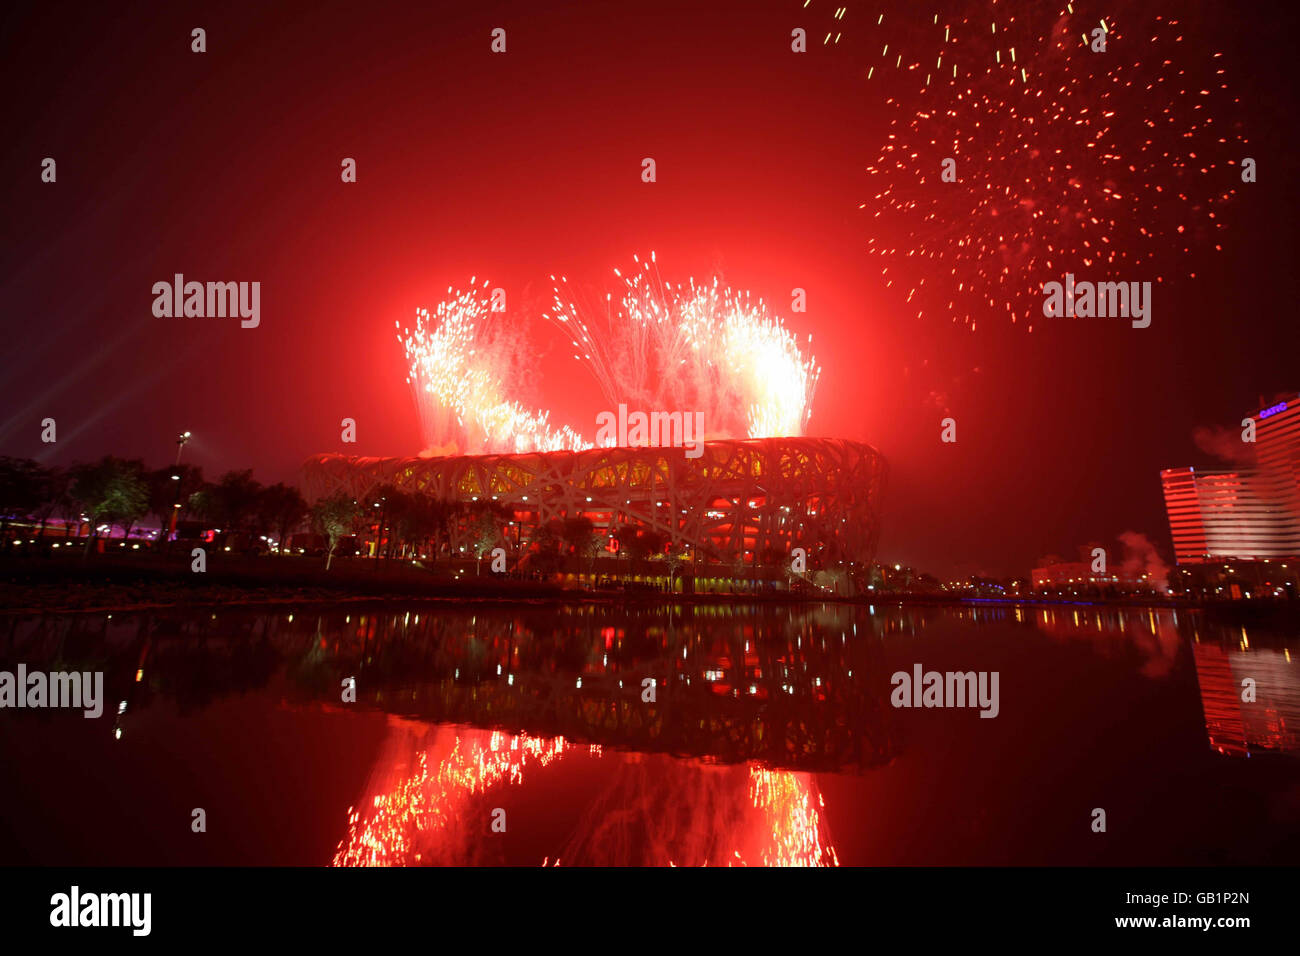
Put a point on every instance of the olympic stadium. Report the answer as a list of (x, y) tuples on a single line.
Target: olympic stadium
[(742, 506)]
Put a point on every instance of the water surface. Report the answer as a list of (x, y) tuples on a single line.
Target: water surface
[(771, 738)]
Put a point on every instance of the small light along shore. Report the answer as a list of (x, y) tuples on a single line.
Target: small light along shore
[(136, 582)]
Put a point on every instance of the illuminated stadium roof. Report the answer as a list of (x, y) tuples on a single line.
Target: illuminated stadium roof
[(741, 500)]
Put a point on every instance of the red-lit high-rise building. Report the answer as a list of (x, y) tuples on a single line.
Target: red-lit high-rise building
[(1243, 514)]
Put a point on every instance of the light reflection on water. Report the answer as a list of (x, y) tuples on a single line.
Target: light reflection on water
[(430, 781), (762, 719)]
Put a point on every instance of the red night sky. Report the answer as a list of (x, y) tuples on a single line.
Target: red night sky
[(225, 166)]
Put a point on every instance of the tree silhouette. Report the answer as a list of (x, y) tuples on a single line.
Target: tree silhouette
[(111, 490), (485, 533), (234, 499), (333, 517), (280, 509), (580, 534), (23, 489)]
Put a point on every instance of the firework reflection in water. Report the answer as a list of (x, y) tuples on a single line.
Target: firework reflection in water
[(649, 809)]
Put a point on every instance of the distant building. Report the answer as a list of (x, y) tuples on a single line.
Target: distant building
[(1277, 441), (1219, 514), (1243, 514), (1065, 574)]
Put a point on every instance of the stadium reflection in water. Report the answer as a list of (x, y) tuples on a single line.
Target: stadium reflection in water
[(668, 735)]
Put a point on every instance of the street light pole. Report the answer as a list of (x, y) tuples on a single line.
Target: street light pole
[(379, 530), (181, 439)]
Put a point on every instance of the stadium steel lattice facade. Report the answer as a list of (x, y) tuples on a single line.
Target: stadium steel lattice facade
[(740, 502)]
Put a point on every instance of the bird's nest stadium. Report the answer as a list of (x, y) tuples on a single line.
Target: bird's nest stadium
[(740, 505)]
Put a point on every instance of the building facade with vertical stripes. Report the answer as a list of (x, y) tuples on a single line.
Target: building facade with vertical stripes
[(1244, 514), (1278, 442)]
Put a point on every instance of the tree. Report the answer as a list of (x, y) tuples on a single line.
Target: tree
[(168, 487), (20, 493), (418, 521), (333, 517), (580, 536), (577, 532), (626, 536), (112, 490), (52, 487), (68, 507), (385, 504), (484, 536), (162, 491), (674, 562), (442, 513), (544, 548), (234, 500), (643, 544), (737, 571), (280, 509)]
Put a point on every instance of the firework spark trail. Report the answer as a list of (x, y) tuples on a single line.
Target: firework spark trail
[(701, 347), (1067, 159), (460, 361), (835, 31)]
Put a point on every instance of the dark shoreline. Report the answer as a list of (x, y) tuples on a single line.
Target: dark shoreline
[(107, 583)]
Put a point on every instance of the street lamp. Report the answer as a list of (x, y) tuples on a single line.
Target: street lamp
[(181, 439), (379, 529)]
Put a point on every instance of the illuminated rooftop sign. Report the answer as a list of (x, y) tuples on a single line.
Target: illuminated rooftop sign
[(1273, 410)]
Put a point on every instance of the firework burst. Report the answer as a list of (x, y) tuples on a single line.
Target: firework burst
[(696, 346), (1066, 158), (462, 362)]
